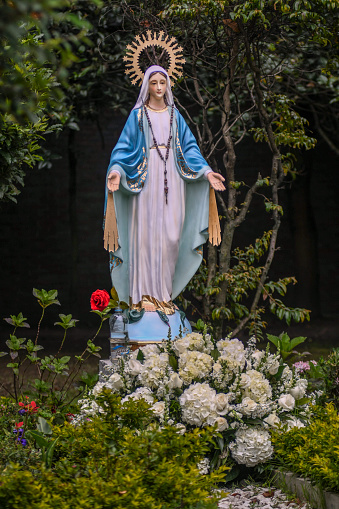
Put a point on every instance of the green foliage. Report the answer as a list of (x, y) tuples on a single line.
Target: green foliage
[(106, 463), (59, 381), (115, 302), (46, 298), (31, 37), (20, 148), (242, 279), (313, 451), (285, 345), (34, 60), (11, 450), (328, 370), (288, 126)]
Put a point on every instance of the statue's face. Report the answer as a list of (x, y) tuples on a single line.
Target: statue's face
[(157, 86)]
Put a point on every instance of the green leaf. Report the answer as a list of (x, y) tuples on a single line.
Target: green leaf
[(17, 321), (43, 426), (173, 362), (233, 474), (215, 354), (31, 347), (66, 321), (279, 373), (274, 339), (114, 294), (46, 298), (50, 451), (140, 356), (297, 341), (38, 438)]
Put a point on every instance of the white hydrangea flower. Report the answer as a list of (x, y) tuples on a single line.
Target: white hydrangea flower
[(198, 405), (233, 352), (255, 386), (194, 365), (181, 345), (140, 393), (286, 402), (251, 446), (193, 341), (174, 381), (154, 369), (150, 350)]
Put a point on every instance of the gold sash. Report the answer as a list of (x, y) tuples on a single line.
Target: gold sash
[(111, 227), (214, 231)]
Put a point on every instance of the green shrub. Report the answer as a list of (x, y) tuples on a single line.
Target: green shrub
[(121, 459), (312, 451), (330, 368)]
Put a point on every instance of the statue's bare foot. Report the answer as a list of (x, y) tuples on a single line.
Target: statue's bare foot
[(148, 306)]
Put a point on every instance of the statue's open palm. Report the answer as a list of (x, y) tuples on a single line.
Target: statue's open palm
[(113, 182), (216, 181)]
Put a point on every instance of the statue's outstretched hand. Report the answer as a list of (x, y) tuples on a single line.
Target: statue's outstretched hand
[(113, 182), (216, 181)]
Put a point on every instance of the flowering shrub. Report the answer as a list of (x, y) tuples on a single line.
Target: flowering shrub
[(193, 382), (123, 460)]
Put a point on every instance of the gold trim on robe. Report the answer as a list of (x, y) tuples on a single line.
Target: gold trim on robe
[(151, 302)]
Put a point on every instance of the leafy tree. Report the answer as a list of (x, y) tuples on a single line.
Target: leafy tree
[(31, 73)]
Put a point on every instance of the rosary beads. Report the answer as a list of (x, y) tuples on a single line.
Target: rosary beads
[(164, 159)]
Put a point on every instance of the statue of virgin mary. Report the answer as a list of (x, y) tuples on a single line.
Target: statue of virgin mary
[(157, 208)]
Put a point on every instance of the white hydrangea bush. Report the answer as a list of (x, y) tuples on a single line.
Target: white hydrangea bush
[(194, 382)]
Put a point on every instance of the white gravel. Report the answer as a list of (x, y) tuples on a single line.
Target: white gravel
[(252, 497)]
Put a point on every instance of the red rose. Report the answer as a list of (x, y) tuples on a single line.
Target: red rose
[(99, 300)]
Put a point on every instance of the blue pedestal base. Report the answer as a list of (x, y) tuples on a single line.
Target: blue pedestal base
[(152, 329)]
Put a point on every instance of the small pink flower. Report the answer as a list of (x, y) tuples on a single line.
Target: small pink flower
[(302, 366)]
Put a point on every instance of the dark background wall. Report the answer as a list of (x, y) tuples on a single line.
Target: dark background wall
[(53, 237)]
